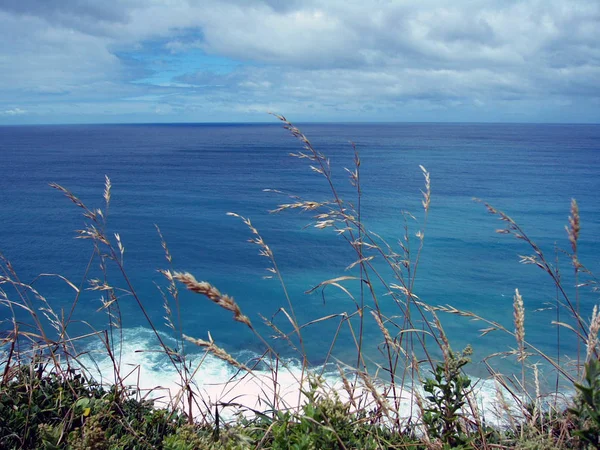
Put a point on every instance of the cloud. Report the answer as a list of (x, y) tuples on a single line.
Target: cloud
[(195, 60), (13, 112)]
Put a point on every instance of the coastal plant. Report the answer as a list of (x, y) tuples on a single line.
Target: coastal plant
[(325, 421), (345, 219), (586, 408), (54, 412), (185, 438), (566, 300), (35, 406), (446, 396)]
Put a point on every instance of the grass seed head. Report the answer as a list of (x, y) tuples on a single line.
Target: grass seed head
[(213, 294), (519, 316), (592, 338)]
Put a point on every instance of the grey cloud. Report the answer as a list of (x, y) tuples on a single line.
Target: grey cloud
[(87, 9)]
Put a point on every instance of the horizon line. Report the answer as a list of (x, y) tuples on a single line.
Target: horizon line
[(295, 122)]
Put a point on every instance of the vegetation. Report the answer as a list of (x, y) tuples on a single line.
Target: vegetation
[(50, 400), (447, 391)]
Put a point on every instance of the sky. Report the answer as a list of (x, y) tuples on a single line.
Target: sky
[(135, 61)]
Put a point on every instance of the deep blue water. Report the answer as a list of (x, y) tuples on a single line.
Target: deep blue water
[(185, 178)]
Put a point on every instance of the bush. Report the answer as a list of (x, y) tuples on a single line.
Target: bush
[(55, 411)]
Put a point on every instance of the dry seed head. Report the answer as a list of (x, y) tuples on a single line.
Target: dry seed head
[(356, 155), (217, 351), (120, 245), (573, 232), (107, 303), (163, 243), (107, 188), (97, 285), (167, 274), (169, 313), (46, 308), (485, 331), (317, 170), (427, 192), (519, 316), (313, 155), (213, 294), (324, 224), (402, 289), (360, 261), (258, 240), (379, 399), (353, 176), (349, 390), (91, 232), (69, 195), (445, 344), (574, 225), (592, 339), (304, 205), (92, 215), (106, 306), (384, 330), (447, 309), (502, 407)]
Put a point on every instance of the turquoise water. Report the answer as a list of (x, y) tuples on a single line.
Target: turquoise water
[(185, 178)]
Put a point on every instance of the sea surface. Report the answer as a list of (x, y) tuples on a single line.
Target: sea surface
[(186, 178)]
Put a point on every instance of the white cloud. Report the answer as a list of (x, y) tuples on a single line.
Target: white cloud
[(13, 112), (306, 56)]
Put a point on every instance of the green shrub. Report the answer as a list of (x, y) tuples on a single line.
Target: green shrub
[(56, 411), (587, 405), (447, 391)]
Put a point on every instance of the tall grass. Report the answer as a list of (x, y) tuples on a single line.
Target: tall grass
[(418, 390)]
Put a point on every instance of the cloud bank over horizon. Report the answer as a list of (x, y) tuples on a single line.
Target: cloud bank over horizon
[(234, 60)]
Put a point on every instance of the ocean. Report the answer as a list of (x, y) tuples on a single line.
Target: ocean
[(185, 178)]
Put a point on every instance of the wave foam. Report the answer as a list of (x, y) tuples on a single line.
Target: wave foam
[(145, 367)]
